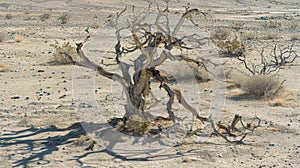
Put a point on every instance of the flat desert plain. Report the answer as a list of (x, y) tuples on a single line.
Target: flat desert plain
[(40, 125)]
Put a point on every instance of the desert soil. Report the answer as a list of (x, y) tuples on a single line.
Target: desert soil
[(40, 125)]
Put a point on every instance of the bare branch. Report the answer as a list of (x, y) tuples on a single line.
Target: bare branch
[(180, 22), (170, 102)]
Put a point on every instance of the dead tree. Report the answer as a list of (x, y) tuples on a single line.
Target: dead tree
[(282, 56), (278, 57), (146, 39), (137, 87), (262, 68)]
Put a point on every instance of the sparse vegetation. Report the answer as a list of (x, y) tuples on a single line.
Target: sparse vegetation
[(269, 35), (263, 86), (62, 54), (260, 83), (8, 16), (250, 35), (48, 112), (229, 44), (294, 25), (237, 26), (145, 40), (44, 17), (232, 47), (272, 24), (64, 18), (220, 34), (283, 55), (135, 125)]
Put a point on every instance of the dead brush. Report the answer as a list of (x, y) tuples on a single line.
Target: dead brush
[(272, 24), (135, 125), (220, 34), (231, 47), (44, 17), (237, 26), (250, 35), (263, 87), (229, 44), (145, 39), (64, 18), (63, 53)]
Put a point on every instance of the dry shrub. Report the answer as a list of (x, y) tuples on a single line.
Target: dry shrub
[(8, 16), (199, 72), (250, 35), (237, 26), (220, 34), (229, 43), (18, 38), (269, 36), (64, 18), (294, 25), (63, 53), (135, 125), (4, 67), (236, 78), (286, 99), (273, 24), (44, 16), (263, 86), (277, 102), (82, 140)]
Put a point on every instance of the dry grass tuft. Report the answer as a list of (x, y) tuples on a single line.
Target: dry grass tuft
[(231, 46), (137, 125), (294, 25), (64, 18), (263, 86), (62, 54), (44, 17), (4, 67), (8, 16), (272, 24), (277, 102), (18, 38), (200, 73), (220, 34), (269, 35), (235, 93), (134, 125), (236, 79), (82, 140), (250, 35), (286, 99)]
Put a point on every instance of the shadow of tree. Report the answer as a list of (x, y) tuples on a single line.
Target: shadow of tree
[(28, 139)]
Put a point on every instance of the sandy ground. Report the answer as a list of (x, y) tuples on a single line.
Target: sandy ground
[(40, 125)]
